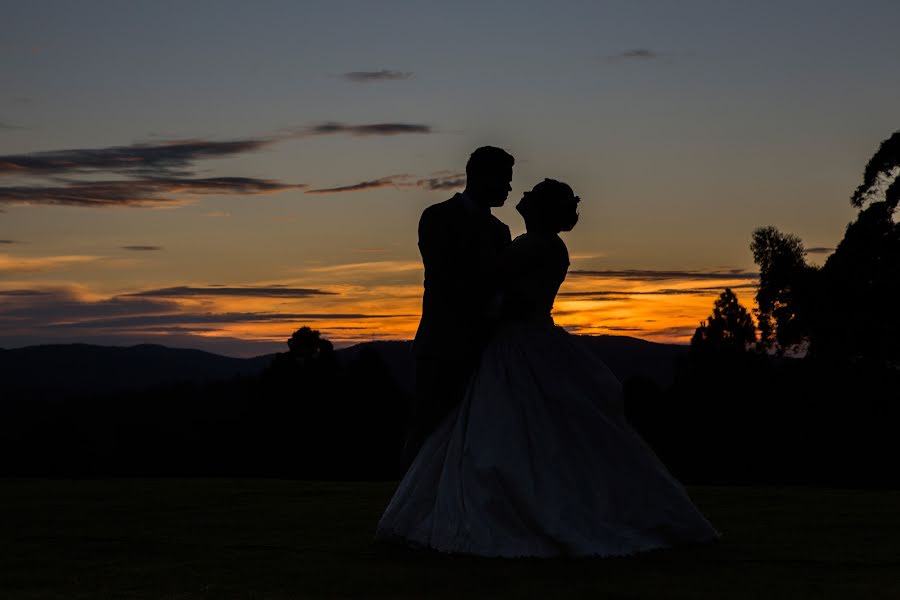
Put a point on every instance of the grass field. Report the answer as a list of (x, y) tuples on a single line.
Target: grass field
[(221, 538)]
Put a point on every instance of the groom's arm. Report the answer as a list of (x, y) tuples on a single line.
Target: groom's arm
[(437, 249), (494, 272)]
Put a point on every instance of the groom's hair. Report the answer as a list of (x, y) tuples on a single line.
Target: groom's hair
[(488, 161)]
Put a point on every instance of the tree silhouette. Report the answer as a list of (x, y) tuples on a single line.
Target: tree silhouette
[(880, 177), (860, 288), (729, 329), (308, 345), (847, 310), (308, 352), (785, 288)]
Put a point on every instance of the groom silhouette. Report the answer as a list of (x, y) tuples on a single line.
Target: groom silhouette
[(461, 243)]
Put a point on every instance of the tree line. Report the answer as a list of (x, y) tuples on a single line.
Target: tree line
[(843, 311), (809, 390)]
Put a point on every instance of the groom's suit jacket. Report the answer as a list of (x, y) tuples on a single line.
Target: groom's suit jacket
[(461, 244)]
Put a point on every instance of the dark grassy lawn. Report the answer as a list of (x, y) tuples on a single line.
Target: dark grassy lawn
[(219, 538)]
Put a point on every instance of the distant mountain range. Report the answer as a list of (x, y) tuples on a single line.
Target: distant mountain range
[(74, 369), (83, 368)]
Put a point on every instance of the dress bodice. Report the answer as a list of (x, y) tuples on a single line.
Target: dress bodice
[(534, 267)]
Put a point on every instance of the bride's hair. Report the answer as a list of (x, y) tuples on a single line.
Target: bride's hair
[(550, 206)]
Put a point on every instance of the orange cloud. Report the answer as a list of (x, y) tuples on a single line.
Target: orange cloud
[(351, 302), (19, 264), (660, 306)]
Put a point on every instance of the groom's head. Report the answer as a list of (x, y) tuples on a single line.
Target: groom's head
[(488, 175)]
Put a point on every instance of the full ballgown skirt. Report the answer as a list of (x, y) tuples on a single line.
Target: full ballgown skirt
[(538, 460)]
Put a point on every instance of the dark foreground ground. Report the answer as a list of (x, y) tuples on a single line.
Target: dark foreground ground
[(219, 538)]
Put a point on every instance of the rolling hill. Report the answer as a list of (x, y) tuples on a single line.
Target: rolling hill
[(73, 369)]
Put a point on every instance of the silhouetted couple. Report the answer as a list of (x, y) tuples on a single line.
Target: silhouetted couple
[(519, 444)]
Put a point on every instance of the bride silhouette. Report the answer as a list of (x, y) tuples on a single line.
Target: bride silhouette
[(538, 458)]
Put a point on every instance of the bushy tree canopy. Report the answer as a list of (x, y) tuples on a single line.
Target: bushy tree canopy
[(308, 344), (880, 177), (784, 290), (729, 328)]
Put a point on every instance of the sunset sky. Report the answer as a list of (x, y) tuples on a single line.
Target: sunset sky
[(217, 174)]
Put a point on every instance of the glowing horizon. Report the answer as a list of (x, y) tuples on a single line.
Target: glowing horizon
[(348, 303)]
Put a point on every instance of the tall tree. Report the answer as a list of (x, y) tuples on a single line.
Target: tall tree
[(861, 281), (729, 328), (881, 177), (785, 287), (846, 310)]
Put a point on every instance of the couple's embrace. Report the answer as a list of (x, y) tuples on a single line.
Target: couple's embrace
[(519, 444)]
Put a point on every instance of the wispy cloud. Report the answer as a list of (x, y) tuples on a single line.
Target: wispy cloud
[(636, 54), (819, 250), (375, 266), (176, 158), (19, 293), (434, 182), (389, 181), (189, 319), (166, 159), (8, 242), (622, 294), (591, 256), (382, 75), (142, 248), (654, 275), (161, 174), (36, 307), (451, 181), (139, 192), (6, 125), (640, 53), (275, 291), (373, 129), (20, 264)]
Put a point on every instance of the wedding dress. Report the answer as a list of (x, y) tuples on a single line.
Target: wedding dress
[(538, 459)]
